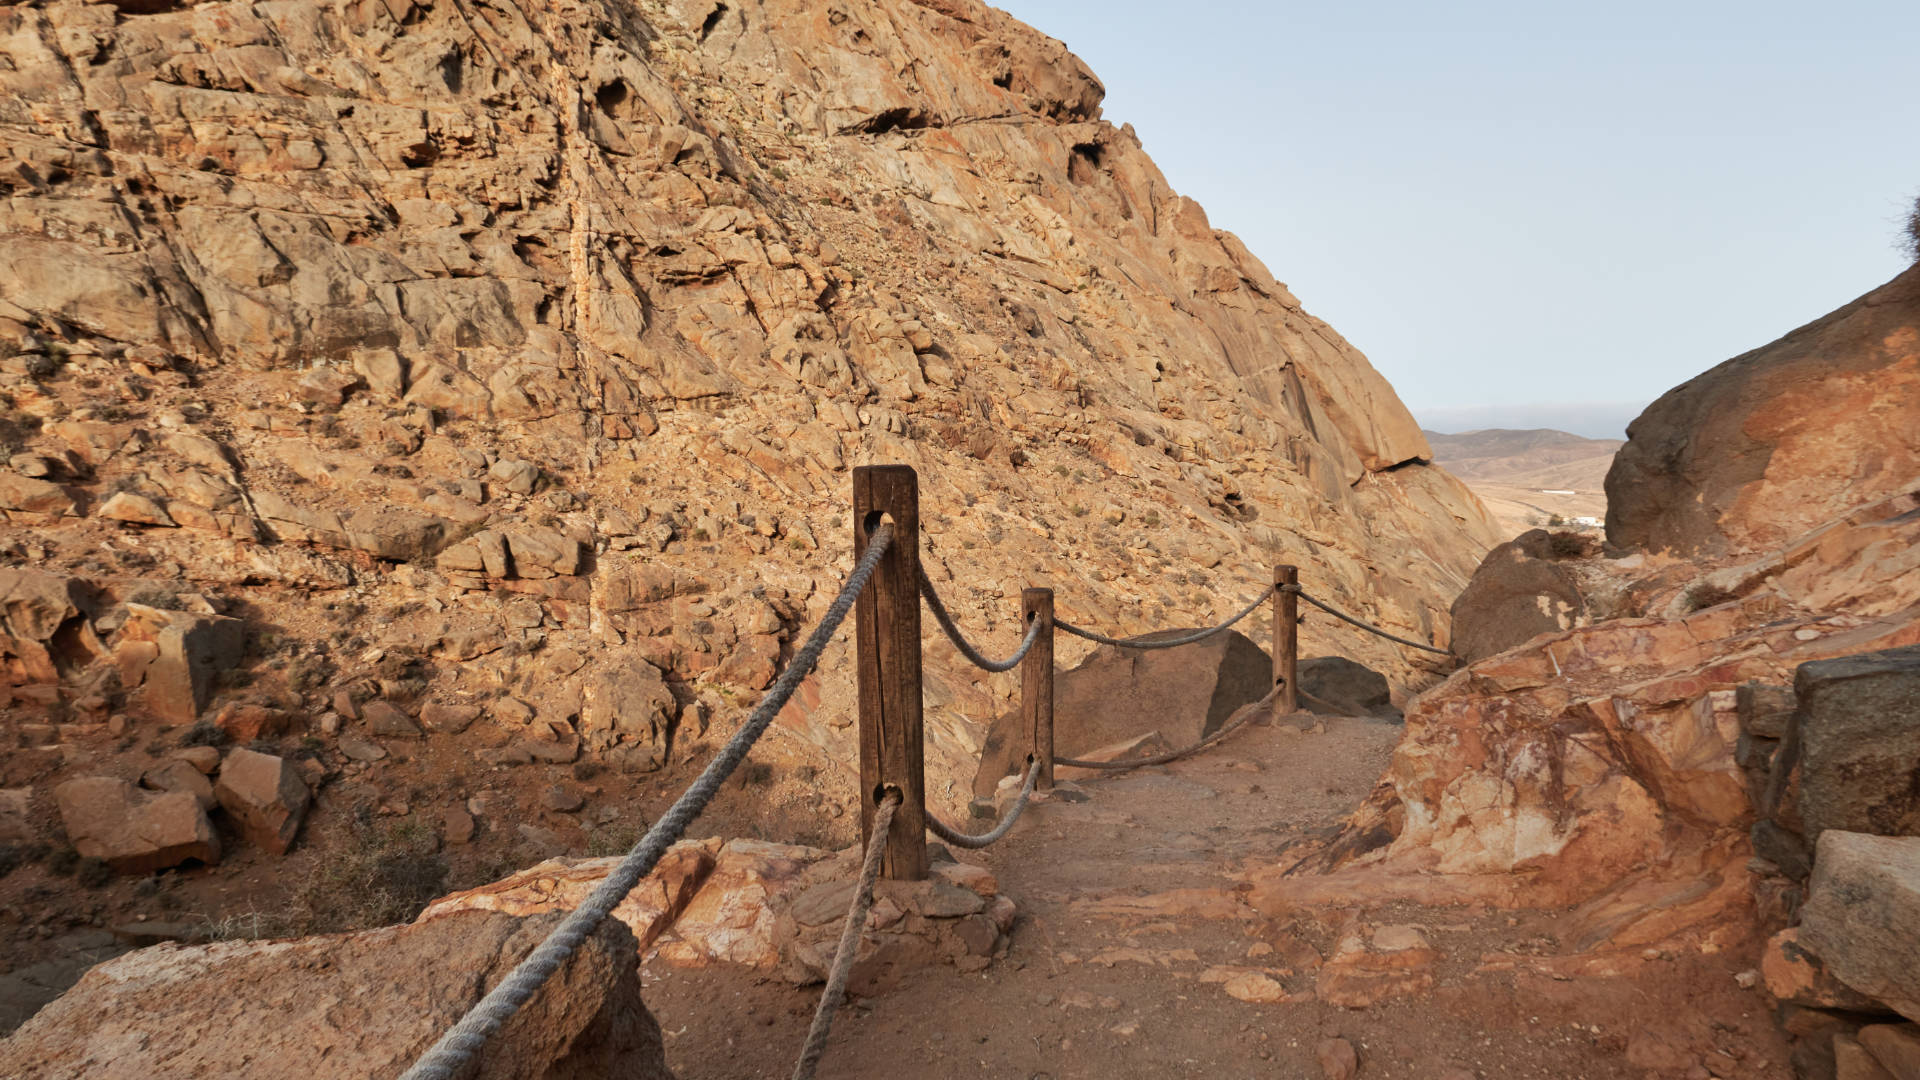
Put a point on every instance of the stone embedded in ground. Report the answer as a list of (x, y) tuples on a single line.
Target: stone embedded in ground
[(1862, 915), (628, 705), (1860, 743), (448, 719), (134, 831), (271, 1010), (1337, 1059), (266, 795), (191, 650), (1118, 694), (1365, 970), (1255, 987), (387, 720), (1518, 593), (1895, 1047)]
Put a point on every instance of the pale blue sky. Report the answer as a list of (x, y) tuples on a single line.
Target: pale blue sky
[(1532, 206)]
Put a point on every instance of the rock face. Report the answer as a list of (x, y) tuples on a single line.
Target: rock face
[(1862, 916), (1622, 766), (1859, 741), (1116, 694), (1518, 593), (537, 330), (136, 832), (275, 1009), (1781, 439)]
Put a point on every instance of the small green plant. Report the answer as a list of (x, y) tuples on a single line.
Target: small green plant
[(1079, 510), (700, 536), (756, 774), (1556, 520), (1060, 471), (63, 862), (1151, 519)]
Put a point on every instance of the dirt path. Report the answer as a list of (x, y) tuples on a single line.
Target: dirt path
[(1114, 973)]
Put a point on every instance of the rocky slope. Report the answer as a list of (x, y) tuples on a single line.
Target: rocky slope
[(385, 371)]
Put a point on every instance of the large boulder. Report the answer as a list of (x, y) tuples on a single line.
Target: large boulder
[(1778, 440), (1518, 593), (1337, 686), (1862, 916), (1115, 694), (345, 1005), (136, 832), (1860, 742)]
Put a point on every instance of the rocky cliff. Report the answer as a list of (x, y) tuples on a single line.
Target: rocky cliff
[(466, 353)]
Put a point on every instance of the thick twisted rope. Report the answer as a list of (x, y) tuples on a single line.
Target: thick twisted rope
[(836, 992), (1368, 627), (1165, 643), (1161, 759), (959, 640), (448, 1057), (967, 840)]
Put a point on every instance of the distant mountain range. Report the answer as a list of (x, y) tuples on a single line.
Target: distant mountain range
[(1526, 477)]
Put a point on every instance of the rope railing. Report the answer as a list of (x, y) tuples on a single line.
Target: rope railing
[(1231, 726), (835, 993), (973, 655), (451, 1054), (1165, 643), (967, 840), (886, 588), (1368, 627)]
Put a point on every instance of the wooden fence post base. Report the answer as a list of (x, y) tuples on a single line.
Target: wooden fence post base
[(1036, 682), (887, 639), (1286, 636)]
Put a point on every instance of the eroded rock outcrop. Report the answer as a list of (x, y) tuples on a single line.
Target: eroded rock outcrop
[(1778, 440), (542, 327), (348, 1005)]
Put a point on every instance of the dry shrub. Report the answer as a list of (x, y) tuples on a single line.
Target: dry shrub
[(375, 874)]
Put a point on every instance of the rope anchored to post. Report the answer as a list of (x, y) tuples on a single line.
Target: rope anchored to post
[(967, 840), (1165, 643), (449, 1056), (1368, 627), (973, 655), (836, 992)]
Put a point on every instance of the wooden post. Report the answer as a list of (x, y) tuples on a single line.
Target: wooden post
[(1286, 637), (887, 637), (1036, 682)]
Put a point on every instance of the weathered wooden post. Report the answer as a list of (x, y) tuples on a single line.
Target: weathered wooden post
[(887, 638), (1036, 682), (1286, 636)]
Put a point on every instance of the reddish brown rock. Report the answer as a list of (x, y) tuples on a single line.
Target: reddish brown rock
[(266, 795), (189, 651), (1778, 440), (136, 833), (271, 1009)]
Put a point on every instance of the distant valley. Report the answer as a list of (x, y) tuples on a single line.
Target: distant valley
[(1526, 478)]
